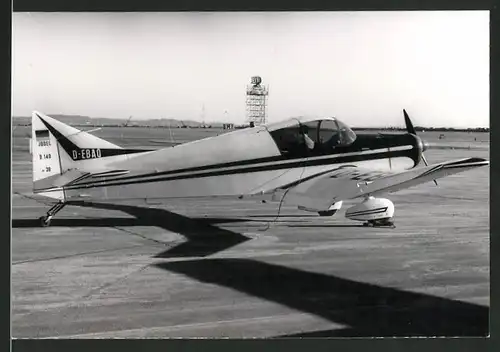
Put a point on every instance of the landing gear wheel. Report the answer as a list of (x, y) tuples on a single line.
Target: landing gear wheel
[(380, 223), (327, 212), (45, 220)]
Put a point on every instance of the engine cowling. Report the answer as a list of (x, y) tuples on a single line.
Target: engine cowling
[(371, 209)]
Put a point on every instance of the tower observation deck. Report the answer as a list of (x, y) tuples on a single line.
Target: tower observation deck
[(256, 101)]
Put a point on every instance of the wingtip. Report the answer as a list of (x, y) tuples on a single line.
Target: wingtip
[(476, 162), (481, 161)]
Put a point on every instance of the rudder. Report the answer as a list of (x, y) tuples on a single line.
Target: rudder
[(45, 157), (61, 154)]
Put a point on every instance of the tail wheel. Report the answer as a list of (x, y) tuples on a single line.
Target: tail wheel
[(45, 221)]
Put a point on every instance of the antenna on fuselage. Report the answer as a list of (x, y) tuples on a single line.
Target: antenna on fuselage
[(125, 125), (88, 131), (171, 135)]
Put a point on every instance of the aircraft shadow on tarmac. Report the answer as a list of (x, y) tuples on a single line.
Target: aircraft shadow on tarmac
[(114, 222), (368, 310), (326, 225), (203, 238)]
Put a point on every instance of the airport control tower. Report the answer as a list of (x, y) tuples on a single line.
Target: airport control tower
[(257, 102)]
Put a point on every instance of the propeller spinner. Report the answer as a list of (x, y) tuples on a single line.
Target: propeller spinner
[(410, 129)]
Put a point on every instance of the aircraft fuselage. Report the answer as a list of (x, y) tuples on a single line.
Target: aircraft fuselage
[(239, 163)]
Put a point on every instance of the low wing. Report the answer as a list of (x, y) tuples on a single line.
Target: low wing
[(351, 182)]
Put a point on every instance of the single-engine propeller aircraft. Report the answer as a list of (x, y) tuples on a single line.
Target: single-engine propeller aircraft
[(312, 163)]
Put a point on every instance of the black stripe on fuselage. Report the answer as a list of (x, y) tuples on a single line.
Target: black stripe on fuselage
[(362, 143), (250, 169), (216, 173), (77, 153)]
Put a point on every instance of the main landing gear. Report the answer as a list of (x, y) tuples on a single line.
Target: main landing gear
[(380, 223), (45, 220)]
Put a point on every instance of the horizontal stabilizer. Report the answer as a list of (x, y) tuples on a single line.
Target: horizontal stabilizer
[(71, 176), (59, 180)]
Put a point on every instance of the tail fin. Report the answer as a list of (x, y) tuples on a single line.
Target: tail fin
[(62, 153)]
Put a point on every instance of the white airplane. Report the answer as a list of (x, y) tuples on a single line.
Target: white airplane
[(311, 163)]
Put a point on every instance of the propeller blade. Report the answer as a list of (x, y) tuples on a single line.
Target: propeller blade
[(410, 129), (427, 164), (409, 124), (425, 160)]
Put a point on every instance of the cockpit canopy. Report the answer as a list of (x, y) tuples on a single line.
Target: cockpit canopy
[(311, 137)]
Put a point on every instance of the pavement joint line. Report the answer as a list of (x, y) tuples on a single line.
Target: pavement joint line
[(112, 282), (143, 237), (192, 325)]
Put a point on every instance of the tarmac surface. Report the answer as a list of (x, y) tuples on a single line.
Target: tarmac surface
[(235, 269)]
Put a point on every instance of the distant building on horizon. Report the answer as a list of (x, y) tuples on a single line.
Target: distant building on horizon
[(256, 102)]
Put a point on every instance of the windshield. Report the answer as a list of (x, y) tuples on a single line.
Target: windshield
[(335, 134), (313, 137)]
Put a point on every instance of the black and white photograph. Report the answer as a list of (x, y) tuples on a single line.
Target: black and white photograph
[(250, 174)]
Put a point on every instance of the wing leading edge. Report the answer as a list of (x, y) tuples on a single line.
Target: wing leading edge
[(351, 182)]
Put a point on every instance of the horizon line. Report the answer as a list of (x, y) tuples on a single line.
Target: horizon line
[(144, 121)]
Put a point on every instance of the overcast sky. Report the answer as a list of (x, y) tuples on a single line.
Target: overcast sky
[(362, 67)]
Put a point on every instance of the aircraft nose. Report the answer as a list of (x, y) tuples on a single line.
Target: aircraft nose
[(425, 145), (422, 145), (419, 143)]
